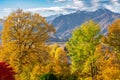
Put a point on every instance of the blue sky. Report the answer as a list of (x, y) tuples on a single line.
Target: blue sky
[(51, 7)]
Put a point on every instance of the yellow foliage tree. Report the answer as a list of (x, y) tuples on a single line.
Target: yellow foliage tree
[(110, 67), (60, 60), (107, 64), (113, 37), (23, 38)]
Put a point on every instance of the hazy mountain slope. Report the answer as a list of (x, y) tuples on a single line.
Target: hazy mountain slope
[(1, 23), (52, 17), (64, 24)]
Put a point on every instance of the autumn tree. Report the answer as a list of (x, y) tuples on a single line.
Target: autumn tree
[(23, 38), (59, 64), (107, 63), (113, 36), (81, 47), (60, 61)]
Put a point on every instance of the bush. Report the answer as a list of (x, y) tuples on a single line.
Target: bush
[(48, 76), (6, 72), (72, 77), (67, 77)]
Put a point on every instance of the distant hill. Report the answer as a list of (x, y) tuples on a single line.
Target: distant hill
[(65, 24), (1, 23), (0, 27)]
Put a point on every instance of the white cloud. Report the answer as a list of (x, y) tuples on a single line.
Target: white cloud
[(83, 4), (45, 10), (56, 9), (78, 3), (115, 2), (60, 0), (89, 5), (113, 6), (7, 10)]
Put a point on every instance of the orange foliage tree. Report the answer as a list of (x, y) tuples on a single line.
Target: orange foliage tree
[(107, 64), (113, 37), (109, 51)]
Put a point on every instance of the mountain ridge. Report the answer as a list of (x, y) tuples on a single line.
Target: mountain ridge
[(65, 24)]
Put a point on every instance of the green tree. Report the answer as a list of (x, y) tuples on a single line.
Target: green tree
[(81, 47), (23, 38)]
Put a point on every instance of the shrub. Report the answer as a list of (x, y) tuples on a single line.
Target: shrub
[(67, 77), (48, 76), (6, 72)]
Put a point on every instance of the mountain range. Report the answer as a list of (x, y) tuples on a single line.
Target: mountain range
[(65, 24), (1, 23)]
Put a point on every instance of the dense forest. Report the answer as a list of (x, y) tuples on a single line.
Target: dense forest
[(87, 55)]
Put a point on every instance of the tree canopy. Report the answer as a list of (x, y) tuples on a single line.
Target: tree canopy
[(23, 38), (81, 47)]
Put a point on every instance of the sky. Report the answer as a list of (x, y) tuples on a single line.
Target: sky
[(52, 7)]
